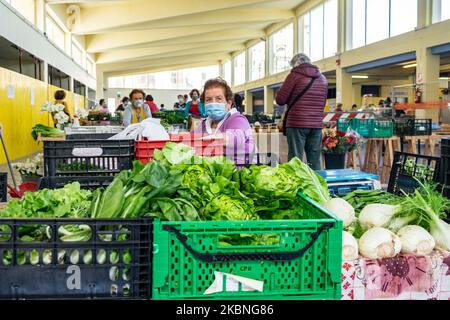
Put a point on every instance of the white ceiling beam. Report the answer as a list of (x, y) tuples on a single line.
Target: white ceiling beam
[(136, 65), (167, 51), (161, 68), (225, 17), (105, 42), (139, 11)]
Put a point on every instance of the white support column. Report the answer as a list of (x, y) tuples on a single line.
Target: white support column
[(248, 102), (268, 58), (296, 31), (268, 99), (45, 63), (100, 84), (71, 84), (425, 12), (344, 33), (428, 70), (344, 88), (221, 70), (247, 65)]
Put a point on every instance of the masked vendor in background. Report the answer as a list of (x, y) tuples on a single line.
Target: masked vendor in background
[(137, 110), (225, 122)]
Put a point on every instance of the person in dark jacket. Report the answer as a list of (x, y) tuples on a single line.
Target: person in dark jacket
[(304, 121)]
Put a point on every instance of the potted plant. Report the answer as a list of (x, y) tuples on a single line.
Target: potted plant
[(32, 169), (335, 145)]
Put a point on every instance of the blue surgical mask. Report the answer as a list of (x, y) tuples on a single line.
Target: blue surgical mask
[(195, 98), (216, 111)]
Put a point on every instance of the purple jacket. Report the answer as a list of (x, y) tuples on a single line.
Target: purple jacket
[(308, 111), (239, 136)]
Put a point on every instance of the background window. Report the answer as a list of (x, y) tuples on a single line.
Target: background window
[(281, 46), (319, 34), (227, 72), (441, 10), (239, 69), (375, 20), (77, 54), (403, 16), (55, 33), (377, 24), (90, 67), (257, 61), (330, 38), (175, 79)]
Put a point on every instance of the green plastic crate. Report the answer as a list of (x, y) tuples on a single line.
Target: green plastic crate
[(342, 124), (186, 270), (383, 129), (364, 127)]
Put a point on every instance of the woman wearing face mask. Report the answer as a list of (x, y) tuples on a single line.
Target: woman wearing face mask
[(195, 107), (225, 122), (179, 105), (137, 110)]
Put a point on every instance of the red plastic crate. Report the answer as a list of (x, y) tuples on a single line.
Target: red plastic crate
[(145, 149)]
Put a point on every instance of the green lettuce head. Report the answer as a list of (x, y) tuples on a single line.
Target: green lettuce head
[(268, 183), (225, 207)]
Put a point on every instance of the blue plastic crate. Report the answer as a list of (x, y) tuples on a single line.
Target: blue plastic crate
[(346, 175), (343, 181), (342, 189)]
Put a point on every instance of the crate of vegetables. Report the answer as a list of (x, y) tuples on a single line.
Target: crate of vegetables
[(92, 162), (291, 259), (408, 167), (53, 246), (145, 149)]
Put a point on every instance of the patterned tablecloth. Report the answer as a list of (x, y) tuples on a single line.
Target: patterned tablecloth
[(406, 277)]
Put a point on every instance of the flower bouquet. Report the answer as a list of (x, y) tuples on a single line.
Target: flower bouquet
[(57, 112), (336, 144), (32, 169)]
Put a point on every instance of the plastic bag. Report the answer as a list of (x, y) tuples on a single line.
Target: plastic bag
[(149, 128)]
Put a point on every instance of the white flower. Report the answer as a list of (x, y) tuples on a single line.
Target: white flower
[(61, 117)]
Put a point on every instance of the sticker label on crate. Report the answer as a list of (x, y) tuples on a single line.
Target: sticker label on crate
[(232, 283), (87, 152)]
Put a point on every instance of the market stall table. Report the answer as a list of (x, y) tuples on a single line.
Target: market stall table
[(406, 277), (375, 161)]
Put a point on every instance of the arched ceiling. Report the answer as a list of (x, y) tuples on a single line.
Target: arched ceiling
[(138, 36)]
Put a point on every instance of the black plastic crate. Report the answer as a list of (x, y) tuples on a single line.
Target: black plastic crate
[(89, 136), (413, 127), (73, 159), (445, 165), (3, 186), (406, 167), (268, 159), (115, 263), (422, 127)]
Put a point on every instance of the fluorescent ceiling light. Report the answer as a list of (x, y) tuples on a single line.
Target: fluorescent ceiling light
[(413, 65), (444, 78), (360, 77)]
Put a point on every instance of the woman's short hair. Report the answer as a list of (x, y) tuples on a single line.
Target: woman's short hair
[(60, 95), (218, 83), (191, 94), (149, 98), (300, 58), (135, 91)]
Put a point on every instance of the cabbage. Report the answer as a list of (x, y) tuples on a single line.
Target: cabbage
[(225, 207)]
